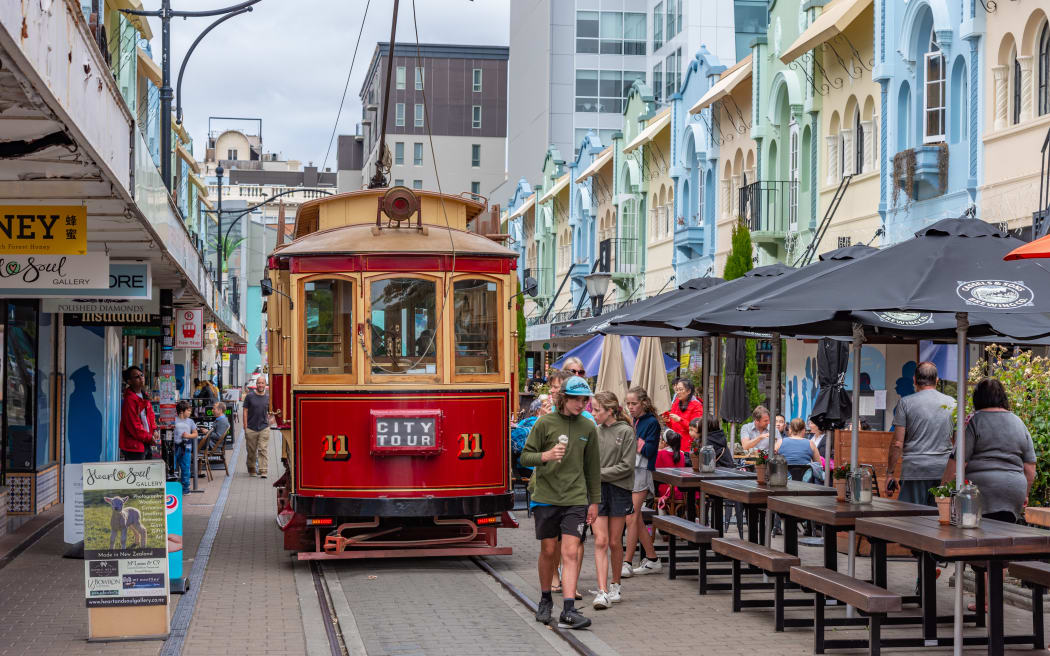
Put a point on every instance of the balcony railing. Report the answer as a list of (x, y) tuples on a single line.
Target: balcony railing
[(770, 206), (619, 255)]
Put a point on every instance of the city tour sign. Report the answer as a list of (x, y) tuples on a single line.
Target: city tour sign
[(43, 229)]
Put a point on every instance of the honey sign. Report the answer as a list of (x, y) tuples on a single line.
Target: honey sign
[(43, 229)]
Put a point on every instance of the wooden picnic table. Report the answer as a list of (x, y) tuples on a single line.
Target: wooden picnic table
[(689, 481), (993, 544), (754, 497), (834, 515)]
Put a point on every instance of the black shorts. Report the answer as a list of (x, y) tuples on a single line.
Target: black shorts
[(555, 521), (616, 501)]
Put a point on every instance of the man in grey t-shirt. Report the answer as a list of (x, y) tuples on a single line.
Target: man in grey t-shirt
[(256, 406), (922, 437)]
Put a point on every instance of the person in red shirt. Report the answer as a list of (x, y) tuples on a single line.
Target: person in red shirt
[(685, 408), (669, 455), (138, 425)]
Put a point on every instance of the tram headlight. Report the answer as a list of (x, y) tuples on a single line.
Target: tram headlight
[(399, 203)]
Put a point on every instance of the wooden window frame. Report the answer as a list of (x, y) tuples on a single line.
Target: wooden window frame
[(355, 365), (439, 340), (501, 343)]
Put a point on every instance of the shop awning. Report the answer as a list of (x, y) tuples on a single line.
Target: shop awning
[(734, 76), (140, 22), (656, 125), (185, 155), (150, 68), (836, 18), (599, 162), (524, 207), (559, 184)]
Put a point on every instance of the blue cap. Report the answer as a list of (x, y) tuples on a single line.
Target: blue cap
[(576, 386)]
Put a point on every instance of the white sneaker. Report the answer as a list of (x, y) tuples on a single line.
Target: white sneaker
[(601, 600), (648, 566), (626, 572), (614, 593)]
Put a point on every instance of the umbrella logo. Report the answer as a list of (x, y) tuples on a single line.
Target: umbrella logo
[(906, 318), (995, 294)]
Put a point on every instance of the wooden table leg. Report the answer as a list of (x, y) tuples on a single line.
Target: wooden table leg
[(995, 607), (753, 513), (717, 514), (878, 561), (690, 504), (790, 534), (831, 547)]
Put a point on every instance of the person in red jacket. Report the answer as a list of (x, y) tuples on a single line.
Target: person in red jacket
[(685, 408), (138, 425)]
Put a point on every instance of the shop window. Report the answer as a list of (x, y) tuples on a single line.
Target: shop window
[(329, 327), (403, 326), (20, 385)]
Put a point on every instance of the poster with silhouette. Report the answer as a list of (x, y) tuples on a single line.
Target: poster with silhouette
[(125, 534)]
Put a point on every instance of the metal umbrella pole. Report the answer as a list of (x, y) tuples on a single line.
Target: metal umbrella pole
[(962, 324), (705, 377), (858, 341), (774, 393)]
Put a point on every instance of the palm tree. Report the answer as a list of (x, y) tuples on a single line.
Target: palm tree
[(229, 247)]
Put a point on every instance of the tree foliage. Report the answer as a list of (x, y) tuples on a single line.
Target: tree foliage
[(737, 264)]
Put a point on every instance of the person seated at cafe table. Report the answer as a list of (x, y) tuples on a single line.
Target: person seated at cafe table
[(797, 449), (755, 435), (1000, 455), (781, 427), (684, 409)]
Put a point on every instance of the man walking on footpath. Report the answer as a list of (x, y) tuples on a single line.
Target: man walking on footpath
[(138, 424), (922, 437), (257, 428), (563, 447)]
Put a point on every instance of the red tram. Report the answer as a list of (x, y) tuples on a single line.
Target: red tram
[(392, 366)]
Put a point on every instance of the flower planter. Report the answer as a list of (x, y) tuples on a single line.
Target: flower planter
[(694, 460), (840, 489), (944, 509), (760, 474)]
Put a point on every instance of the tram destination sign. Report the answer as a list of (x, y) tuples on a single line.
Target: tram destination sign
[(406, 432)]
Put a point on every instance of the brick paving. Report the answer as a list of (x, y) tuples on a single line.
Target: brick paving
[(659, 616)]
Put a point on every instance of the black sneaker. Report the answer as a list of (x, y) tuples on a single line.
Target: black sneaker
[(543, 611), (573, 619)]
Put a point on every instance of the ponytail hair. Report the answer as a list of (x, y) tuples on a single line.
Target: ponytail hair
[(608, 401), (674, 440), (797, 427), (643, 398)]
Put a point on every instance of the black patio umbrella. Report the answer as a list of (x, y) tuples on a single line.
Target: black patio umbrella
[(602, 323), (735, 406), (833, 406)]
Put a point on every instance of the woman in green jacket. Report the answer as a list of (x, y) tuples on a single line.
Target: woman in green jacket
[(616, 443)]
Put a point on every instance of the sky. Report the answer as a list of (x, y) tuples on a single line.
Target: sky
[(286, 61)]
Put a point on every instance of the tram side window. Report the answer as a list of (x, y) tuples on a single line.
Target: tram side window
[(329, 327), (476, 314), (403, 324)]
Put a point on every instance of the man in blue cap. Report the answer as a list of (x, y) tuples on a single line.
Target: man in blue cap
[(563, 447)]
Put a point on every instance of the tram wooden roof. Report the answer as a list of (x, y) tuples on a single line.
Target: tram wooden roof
[(357, 207), (366, 238)]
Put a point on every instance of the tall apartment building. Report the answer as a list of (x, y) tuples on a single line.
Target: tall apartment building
[(455, 95), (573, 63)]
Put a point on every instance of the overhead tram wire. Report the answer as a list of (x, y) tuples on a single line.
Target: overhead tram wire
[(346, 86)]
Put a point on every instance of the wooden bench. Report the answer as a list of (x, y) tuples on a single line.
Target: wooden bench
[(864, 596), (1035, 575), (775, 564), (694, 534)]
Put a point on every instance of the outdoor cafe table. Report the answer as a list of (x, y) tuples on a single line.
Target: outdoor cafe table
[(834, 516), (687, 480), (993, 544), (754, 497)]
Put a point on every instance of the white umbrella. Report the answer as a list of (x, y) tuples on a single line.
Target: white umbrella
[(650, 373)]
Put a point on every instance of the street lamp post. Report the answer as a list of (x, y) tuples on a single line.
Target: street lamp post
[(165, 14), (218, 232), (597, 286)]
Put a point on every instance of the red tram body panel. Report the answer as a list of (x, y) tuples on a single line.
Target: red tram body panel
[(392, 359)]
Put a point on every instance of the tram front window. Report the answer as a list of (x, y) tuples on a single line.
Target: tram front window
[(403, 324), (477, 322), (329, 324)]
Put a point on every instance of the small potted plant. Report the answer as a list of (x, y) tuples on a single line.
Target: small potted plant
[(694, 453), (761, 460), (840, 475), (942, 494)]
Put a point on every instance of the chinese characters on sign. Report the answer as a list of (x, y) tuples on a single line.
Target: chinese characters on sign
[(43, 229)]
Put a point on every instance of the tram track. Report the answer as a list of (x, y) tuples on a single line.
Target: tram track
[(340, 644)]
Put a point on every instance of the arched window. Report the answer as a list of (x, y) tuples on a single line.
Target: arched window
[(1015, 114), (933, 98), (1044, 70), (793, 176), (858, 140)]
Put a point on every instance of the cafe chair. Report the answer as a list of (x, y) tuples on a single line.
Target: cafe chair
[(213, 450)]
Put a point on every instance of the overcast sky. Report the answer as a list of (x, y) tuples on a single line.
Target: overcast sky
[(286, 61)]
